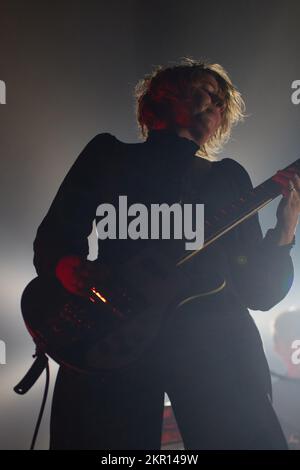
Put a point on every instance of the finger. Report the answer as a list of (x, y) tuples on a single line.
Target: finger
[(285, 188), (293, 192), (283, 182), (280, 178), (296, 181), (287, 173), (287, 194), (290, 169), (283, 177)]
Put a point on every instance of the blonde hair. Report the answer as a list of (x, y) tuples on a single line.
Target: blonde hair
[(155, 93)]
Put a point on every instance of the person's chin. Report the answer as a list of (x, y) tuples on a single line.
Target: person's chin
[(200, 135)]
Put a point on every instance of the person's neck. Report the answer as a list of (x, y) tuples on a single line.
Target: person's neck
[(185, 133)]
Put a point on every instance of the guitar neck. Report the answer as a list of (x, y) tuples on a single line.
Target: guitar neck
[(238, 211)]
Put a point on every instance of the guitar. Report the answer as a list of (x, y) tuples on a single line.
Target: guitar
[(116, 322)]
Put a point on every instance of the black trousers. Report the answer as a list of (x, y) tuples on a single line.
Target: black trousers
[(212, 366)]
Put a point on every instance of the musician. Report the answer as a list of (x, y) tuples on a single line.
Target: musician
[(208, 356)]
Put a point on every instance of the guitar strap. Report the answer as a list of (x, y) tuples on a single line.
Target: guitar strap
[(32, 374)]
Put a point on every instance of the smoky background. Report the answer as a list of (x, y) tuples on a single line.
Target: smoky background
[(70, 68)]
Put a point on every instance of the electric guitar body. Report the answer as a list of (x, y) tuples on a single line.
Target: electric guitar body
[(112, 326)]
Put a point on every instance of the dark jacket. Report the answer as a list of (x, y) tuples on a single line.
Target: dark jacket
[(210, 362), (163, 169)]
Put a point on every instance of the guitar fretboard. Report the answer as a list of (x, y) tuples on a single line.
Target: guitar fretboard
[(235, 213)]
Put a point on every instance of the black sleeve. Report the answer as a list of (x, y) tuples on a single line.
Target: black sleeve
[(261, 270), (68, 223)]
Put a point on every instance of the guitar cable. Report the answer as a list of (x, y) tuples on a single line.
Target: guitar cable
[(40, 364)]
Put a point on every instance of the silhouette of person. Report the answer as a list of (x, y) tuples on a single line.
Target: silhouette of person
[(208, 356)]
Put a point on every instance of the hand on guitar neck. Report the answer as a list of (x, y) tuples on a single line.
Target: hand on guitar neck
[(289, 207), (78, 275)]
